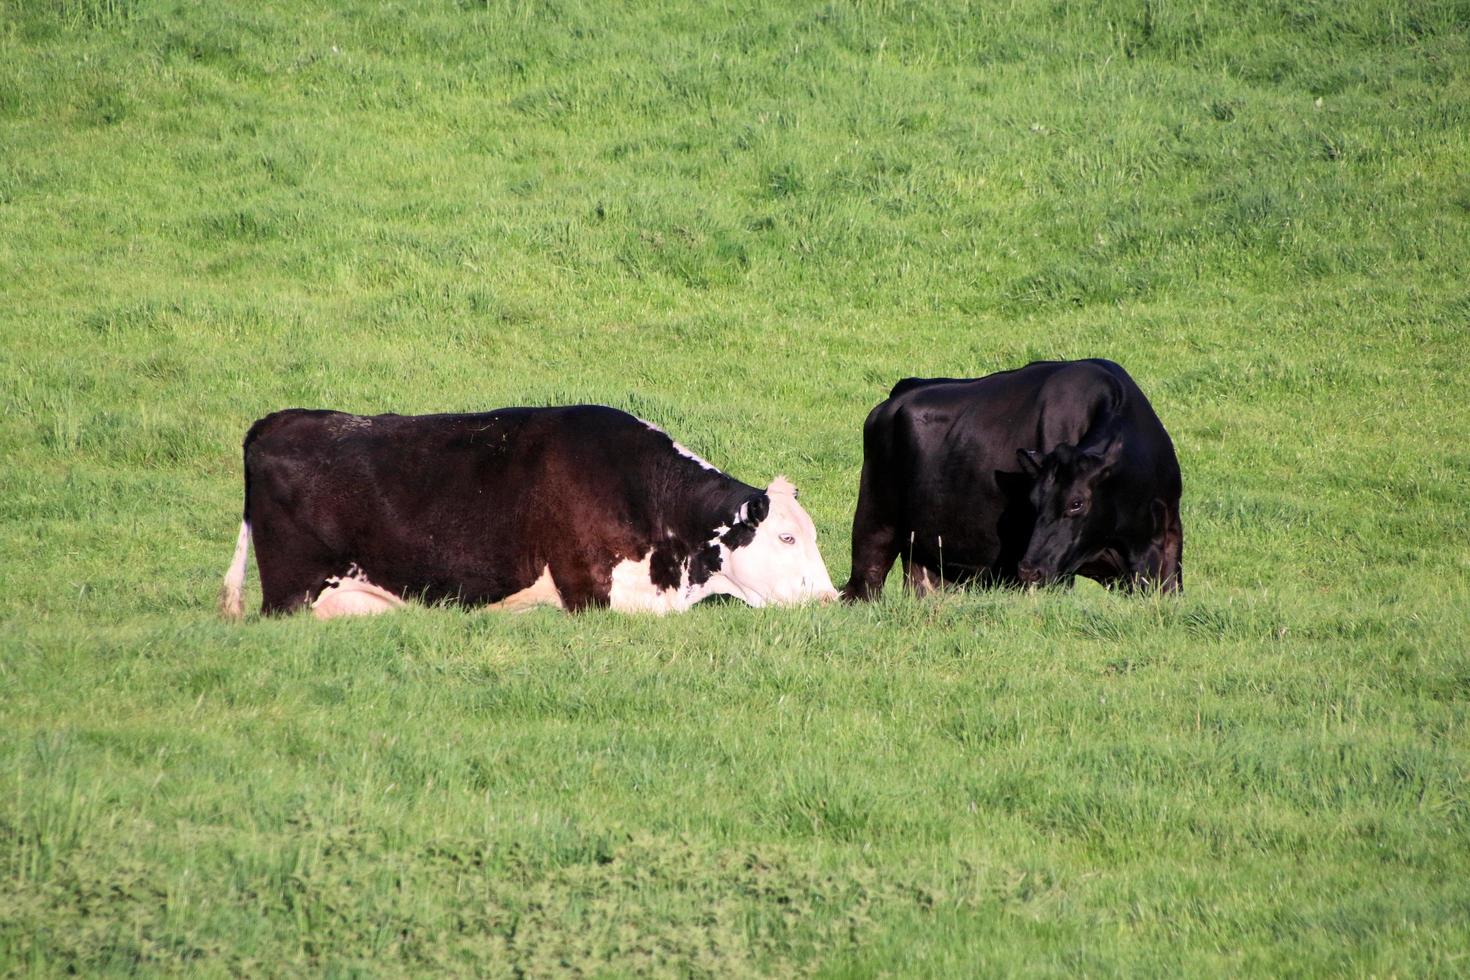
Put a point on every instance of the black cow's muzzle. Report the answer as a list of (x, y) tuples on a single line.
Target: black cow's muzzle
[(1048, 574)]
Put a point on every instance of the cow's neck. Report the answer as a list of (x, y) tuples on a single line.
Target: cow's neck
[(704, 512), (720, 583), (713, 514)]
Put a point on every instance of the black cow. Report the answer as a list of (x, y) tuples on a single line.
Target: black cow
[(574, 507), (1056, 469)]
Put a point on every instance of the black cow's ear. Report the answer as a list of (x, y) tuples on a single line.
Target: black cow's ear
[(1111, 456), (1030, 461)]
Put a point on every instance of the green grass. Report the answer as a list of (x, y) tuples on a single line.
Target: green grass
[(743, 224)]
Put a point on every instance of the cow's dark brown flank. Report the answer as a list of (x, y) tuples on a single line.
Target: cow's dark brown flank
[(473, 508)]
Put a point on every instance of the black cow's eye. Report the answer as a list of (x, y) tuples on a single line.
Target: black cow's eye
[(788, 539), (1074, 507)]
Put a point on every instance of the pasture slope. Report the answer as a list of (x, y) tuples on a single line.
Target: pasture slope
[(743, 222)]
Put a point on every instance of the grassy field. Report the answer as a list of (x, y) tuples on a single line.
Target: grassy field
[(743, 223)]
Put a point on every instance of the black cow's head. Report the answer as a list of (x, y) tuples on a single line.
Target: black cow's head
[(1075, 515)]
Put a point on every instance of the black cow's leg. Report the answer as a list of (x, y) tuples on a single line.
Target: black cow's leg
[(873, 551), (1144, 569), (1171, 572), (1152, 569), (1159, 564), (874, 546)]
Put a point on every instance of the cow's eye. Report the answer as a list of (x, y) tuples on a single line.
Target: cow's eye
[(1074, 507), (788, 539)]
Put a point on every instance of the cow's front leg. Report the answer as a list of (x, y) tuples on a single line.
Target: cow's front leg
[(1150, 569), (581, 587), (1159, 564), (874, 546)]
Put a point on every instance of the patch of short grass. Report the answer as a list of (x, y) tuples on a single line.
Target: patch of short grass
[(744, 226)]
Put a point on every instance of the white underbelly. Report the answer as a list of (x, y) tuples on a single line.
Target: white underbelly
[(354, 597)]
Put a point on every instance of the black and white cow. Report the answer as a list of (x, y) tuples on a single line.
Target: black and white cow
[(575, 506), (1056, 469)]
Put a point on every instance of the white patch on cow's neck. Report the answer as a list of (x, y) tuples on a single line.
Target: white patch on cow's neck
[(681, 450), (541, 592), (352, 594)]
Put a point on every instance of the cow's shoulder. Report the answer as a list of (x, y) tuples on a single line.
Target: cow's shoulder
[(568, 423), (595, 419), (1112, 368)]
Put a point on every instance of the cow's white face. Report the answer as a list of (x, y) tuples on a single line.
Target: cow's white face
[(780, 565)]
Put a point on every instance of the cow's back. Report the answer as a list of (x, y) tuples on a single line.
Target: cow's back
[(982, 421), (412, 457)]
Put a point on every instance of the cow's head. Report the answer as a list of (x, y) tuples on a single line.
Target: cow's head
[(772, 556), (1075, 516)]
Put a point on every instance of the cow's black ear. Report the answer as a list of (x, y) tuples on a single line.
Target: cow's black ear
[(1111, 456), (1030, 461), (756, 508), (751, 513)]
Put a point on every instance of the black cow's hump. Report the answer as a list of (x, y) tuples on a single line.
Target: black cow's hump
[(912, 384), (909, 384)]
